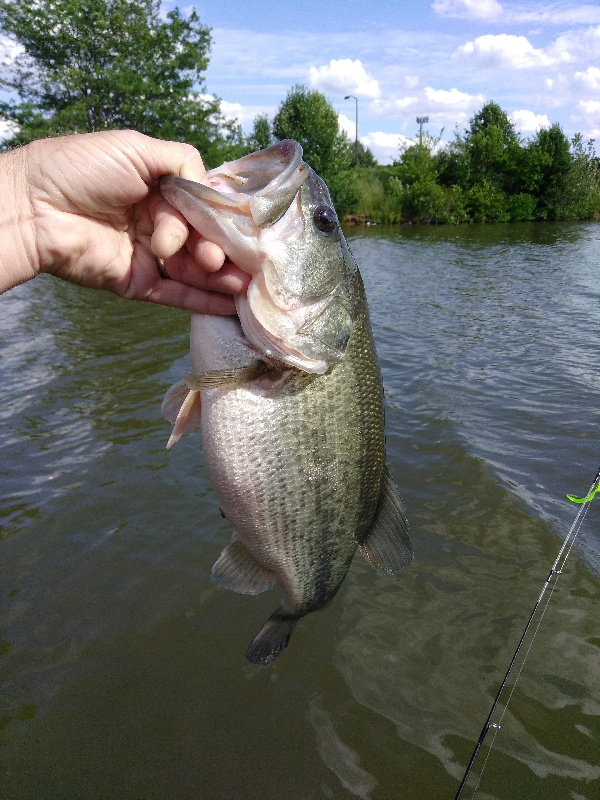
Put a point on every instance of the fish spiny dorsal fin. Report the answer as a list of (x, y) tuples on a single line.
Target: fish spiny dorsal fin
[(387, 546), (238, 570)]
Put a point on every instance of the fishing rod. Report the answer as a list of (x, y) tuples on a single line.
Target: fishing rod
[(553, 575)]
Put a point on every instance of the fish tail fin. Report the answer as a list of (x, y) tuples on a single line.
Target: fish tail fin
[(271, 640)]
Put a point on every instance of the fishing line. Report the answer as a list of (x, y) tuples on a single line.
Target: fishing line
[(552, 578)]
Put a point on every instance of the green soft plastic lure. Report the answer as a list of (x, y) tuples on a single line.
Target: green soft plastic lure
[(586, 499)]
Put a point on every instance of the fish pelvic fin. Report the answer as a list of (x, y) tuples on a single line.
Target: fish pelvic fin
[(387, 546), (271, 640), (182, 407), (238, 570)]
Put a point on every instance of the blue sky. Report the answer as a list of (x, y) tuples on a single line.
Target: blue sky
[(440, 58)]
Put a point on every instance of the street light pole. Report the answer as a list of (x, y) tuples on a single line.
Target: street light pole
[(347, 97)]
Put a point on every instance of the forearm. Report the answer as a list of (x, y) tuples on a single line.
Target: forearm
[(18, 251)]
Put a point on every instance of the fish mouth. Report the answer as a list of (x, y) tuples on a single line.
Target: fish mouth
[(252, 208), (261, 185)]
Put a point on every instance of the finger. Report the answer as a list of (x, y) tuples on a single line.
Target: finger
[(185, 269), (189, 298), (170, 230), (207, 255), (146, 284)]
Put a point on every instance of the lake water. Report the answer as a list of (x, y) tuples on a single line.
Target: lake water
[(122, 670)]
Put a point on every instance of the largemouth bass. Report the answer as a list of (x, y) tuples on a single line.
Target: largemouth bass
[(289, 394)]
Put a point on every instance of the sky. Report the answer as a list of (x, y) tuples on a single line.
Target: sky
[(403, 59), (540, 61)]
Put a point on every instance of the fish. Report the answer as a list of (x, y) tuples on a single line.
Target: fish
[(288, 394)]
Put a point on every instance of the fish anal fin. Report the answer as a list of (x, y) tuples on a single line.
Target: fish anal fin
[(238, 570), (387, 546), (271, 640), (183, 408)]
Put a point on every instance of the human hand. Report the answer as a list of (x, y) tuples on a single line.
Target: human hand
[(96, 218)]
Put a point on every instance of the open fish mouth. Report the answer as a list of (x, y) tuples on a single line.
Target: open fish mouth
[(261, 210)]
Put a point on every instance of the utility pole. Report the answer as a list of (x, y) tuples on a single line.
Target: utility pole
[(347, 97), (420, 122)]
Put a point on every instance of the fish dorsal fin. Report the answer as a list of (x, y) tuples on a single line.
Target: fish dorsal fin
[(238, 570), (387, 546), (214, 378), (183, 408)]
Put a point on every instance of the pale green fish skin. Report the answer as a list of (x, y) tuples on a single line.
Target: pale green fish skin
[(298, 464)]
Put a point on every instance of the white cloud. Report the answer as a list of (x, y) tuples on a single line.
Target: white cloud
[(453, 98), (411, 81), (528, 122), (578, 44), (385, 146), (492, 11), (589, 79), (444, 107), (393, 106), (9, 50), (472, 9), (344, 76), (555, 15), (237, 112), (7, 129), (347, 126), (508, 51), (589, 106)]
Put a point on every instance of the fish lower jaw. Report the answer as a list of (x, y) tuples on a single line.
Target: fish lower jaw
[(275, 350)]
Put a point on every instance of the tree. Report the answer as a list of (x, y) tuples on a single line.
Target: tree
[(365, 156), (261, 136), (311, 120), (90, 65), (546, 161), (580, 196)]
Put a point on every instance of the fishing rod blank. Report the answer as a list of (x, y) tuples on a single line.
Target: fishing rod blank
[(555, 572)]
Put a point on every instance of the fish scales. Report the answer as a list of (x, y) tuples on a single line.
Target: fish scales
[(289, 394), (307, 475)]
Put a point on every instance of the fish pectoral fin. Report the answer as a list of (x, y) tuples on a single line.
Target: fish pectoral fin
[(213, 378), (271, 640), (183, 408), (387, 546), (238, 570)]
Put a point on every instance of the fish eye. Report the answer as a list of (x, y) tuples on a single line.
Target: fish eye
[(325, 219)]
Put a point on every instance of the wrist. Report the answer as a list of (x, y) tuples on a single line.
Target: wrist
[(18, 259)]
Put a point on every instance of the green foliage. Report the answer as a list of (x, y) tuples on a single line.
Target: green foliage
[(487, 174), (375, 197), (580, 197), (311, 120), (307, 117), (545, 162), (365, 156), (261, 136), (487, 203), (521, 207), (487, 154), (417, 162), (343, 188), (91, 65)]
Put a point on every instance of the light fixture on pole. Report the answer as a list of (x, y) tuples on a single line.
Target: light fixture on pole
[(420, 122), (347, 97)]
